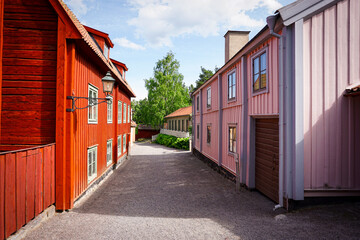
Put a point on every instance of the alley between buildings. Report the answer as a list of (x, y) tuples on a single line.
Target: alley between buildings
[(162, 193)]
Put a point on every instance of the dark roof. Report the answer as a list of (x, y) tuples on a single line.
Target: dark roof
[(301, 9)]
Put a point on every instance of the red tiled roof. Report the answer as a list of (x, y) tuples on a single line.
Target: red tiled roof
[(90, 42), (180, 112)]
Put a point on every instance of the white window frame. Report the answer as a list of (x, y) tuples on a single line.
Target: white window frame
[(236, 137), (119, 146), (232, 72), (109, 152), (124, 143), (92, 151), (119, 112), (110, 111), (258, 54), (106, 51), (124, 117), (93, 110), (128, 113), (208, 97)]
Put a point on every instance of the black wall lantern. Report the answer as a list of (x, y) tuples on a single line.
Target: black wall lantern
[(108, 85)]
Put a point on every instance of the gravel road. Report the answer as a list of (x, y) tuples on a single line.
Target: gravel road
[(162, 193)]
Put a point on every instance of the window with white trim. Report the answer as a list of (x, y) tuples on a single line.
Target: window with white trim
[(232, 85), (124, 142), (259, 74), (109, 111), (93, 107), (208, 97), (92, 163), (124, 120), (119, 145), (119, 111), (232, 139), (109, 152), (128, 113)]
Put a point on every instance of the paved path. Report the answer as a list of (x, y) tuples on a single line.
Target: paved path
[(163, 193)]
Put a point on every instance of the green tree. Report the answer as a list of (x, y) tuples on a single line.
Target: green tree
[(166, 91), (204, 75), (141, 111)]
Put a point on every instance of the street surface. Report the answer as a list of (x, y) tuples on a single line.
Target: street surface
[(163, 193)]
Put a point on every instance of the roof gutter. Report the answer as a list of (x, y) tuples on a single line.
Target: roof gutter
[(271, 20)]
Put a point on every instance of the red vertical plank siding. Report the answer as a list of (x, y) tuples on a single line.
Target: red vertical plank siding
[(60, 119), (10, 195), (20, 189), (47, 177), (38, 182), (89, 134), (52, 173), (2, 196), (30, 185)]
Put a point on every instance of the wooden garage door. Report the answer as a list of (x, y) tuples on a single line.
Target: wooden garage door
[(267, 157)]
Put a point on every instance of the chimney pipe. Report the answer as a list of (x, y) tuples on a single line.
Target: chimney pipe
[(234, 41)]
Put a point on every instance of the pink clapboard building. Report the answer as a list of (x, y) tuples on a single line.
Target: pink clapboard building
[(286, 104)]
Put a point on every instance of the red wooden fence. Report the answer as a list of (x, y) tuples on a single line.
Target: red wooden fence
[(27, 186)]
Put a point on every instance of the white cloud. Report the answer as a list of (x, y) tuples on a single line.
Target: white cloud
[(77, 6), (128, 44), (158, 21)]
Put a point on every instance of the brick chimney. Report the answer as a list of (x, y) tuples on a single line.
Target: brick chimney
[(234, 41)]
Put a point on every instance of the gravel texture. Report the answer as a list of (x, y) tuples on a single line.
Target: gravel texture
[(162, 193)]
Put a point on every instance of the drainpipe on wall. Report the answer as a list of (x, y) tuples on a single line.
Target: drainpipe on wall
[(220, 118), (271, 21), (193, 123), (201, 120), (244, 120)]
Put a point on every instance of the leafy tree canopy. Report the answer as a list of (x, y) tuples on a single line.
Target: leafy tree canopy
[(166, 93), (204, 75)]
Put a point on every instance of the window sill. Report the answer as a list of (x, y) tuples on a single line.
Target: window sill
[(231, 100), (258, 92), (92, 122)]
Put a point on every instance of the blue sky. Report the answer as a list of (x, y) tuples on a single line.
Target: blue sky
[(143, 31)]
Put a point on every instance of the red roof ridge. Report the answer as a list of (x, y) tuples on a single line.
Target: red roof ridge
[(90, 42), (180, 112)]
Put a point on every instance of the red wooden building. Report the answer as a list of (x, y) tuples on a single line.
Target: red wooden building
[(49, 155)]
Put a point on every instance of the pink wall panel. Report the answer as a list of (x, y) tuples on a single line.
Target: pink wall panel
[(211, 150), (331, 63), (265, 103), (214, 97), (224, 82), (231, 116)]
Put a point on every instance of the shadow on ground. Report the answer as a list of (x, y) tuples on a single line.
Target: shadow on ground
[(160, 182)]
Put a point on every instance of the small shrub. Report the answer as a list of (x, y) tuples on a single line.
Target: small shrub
[(172, 141)]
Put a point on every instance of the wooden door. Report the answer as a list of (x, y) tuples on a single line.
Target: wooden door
[(267, 157)]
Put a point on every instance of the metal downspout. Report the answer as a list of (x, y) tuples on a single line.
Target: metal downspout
[(281, 115), (244, 121), (201, 120), (220, 118)]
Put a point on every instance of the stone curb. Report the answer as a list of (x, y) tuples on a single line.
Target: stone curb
[(33, 224)]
